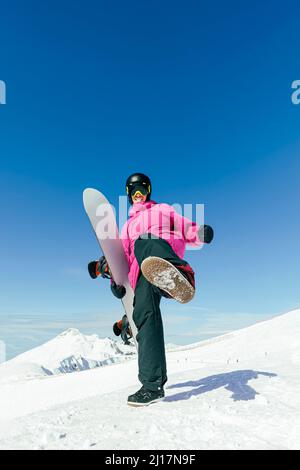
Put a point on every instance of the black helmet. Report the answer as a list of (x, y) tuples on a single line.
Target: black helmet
[(138, 182)]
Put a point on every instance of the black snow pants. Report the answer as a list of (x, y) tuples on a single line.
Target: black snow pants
[(147, 315)]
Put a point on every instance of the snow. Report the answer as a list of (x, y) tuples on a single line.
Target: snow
[(237, 391)]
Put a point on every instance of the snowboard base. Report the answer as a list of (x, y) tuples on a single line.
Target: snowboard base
[(99, 209)]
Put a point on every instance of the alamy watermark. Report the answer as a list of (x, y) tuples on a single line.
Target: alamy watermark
[(176, 222), (295, 97), (2, 92), (2, 352)]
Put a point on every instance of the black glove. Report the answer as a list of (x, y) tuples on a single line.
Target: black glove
[(206, 233), (118, 291), (99, 268)]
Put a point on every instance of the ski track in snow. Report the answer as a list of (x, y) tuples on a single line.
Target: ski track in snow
[(239, 391)]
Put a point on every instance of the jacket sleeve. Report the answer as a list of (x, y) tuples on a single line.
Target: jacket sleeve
[(126, 242), (188, 229)]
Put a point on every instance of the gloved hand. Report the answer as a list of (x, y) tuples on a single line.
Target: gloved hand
[(118, 291), (99, 268), (206, 233)]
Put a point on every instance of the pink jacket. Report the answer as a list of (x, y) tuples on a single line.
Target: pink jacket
[(160, 220)]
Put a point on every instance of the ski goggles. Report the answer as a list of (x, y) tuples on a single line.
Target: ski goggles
[(135, 188)]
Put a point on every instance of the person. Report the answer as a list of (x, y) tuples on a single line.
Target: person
[(154, 240)]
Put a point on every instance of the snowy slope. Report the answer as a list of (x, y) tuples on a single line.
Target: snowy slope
[(238, 391)]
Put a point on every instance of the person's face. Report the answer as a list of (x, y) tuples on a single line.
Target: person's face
[(138, 197)]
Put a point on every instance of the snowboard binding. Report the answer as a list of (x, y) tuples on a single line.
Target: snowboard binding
[(99, 268), (122, 328)]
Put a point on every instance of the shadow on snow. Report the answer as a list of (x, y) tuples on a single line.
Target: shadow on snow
[(236, 382)]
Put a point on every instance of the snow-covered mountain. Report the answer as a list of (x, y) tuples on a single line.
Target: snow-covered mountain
[(71, 351), (237, 391)]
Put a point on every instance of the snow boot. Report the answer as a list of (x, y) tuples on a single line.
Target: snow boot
[(177, 281), (144, 397)]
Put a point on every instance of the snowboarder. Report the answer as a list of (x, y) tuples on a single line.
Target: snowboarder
[(154, 240)]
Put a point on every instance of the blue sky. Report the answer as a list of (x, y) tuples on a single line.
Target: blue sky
[(196, 95)]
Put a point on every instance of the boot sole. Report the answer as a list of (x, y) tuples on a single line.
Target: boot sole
[(165, 276), (139, 405)]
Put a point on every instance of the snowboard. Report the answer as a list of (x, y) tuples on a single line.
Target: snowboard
[(102, 217)]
